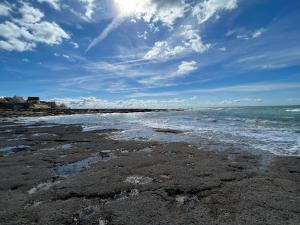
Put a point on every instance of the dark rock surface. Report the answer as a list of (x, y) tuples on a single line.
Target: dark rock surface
[(53, 112), (140, 182)]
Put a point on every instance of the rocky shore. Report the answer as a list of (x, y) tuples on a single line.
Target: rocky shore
[(57, 174), (6, 113)]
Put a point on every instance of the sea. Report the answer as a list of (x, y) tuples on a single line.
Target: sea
[(274, 130)]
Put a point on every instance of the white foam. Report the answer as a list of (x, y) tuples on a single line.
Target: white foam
[(293, 110)]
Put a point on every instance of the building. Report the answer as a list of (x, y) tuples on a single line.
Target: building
[(18, 103), (15, 103), (33, 100)]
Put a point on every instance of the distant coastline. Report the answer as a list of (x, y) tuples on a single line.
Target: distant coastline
[(17, 106), (56, 112)]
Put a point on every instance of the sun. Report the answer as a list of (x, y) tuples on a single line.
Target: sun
[(128, 8)]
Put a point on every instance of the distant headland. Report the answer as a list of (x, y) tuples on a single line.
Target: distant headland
[(19, 103), (17, 106)]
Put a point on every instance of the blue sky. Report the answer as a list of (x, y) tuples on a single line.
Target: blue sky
[(151, 53)]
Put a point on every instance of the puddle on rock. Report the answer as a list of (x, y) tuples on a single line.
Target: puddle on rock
[(40, 126), (6, 131), (59, 147), (16, 139), (16, 148), (182, 199), (147, 150), (42, 187), (77, 167), (43, 134), (138, 180)]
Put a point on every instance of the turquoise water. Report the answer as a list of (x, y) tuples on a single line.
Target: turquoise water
[(269, 129)]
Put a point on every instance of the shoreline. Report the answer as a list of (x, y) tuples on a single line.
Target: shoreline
[(58, 174), (6, 113)]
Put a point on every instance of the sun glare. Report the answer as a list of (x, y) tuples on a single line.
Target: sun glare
[(128, 7)]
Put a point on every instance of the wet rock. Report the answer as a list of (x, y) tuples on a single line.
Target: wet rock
[(171, 131)]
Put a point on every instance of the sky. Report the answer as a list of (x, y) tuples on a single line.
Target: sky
[(151, 53)]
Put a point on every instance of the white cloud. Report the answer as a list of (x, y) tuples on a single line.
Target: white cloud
[(66, 56), (93, 102), (169, 103), (75, 45), (189, 41), (16, 45), (208, 8), (150, 11), (5, 9), (186, 67), (164, 77), (166, 11), (258, 33), (246, 34), (89, 8), (162, 50), (143, 35), (22, 34), (49, 33), (242, 101), (53, 3), (113, 25), (193, 40), (242, 88), (29, 14)]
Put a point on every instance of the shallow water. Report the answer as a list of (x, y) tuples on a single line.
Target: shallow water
[(42, 187), (14, 148), (77, 167), (268, 129)]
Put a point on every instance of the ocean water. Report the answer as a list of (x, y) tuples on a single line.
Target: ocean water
[(274, 130)]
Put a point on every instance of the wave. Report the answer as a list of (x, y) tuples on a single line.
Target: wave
[(293, 110)]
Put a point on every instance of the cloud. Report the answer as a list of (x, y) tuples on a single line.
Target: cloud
[(29, 14), (23, 34), (162, 50), (258, 33), (156, 79), (5, 9), (193, 40), (75, 45), (55, 4), (242, 100), (189, 41), (166, 13), (113, 25), (150, 11), (90, 6), (186, 67), (246, 34), (242, 88), (143, 35), (208, 8), (93, 102), (16, 45)]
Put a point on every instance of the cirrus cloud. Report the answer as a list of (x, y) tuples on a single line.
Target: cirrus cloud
[(55, 4)]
